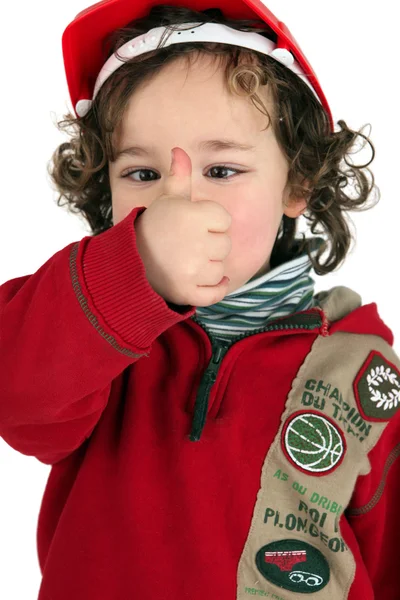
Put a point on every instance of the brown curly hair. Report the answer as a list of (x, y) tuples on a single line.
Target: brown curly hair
[(79, 167)]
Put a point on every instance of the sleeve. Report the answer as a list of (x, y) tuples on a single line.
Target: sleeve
[(374, 513), (67, 331)]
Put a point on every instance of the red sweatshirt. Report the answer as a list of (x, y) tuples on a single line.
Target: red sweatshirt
[(188, 468)]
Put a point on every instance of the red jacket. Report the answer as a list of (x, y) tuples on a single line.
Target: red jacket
[(184, 468)]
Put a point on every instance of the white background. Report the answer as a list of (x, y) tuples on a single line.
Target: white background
[(353, 50)]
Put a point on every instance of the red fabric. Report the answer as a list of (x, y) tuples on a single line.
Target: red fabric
[(377, 527), (99, 379)]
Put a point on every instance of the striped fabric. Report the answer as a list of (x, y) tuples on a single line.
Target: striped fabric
[(286, 289)]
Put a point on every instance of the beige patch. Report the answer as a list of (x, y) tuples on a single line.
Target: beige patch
[(293, 504)]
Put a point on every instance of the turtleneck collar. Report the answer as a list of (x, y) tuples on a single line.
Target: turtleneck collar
[(284, 290)]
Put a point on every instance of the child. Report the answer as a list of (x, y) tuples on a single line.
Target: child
[(215, 429)]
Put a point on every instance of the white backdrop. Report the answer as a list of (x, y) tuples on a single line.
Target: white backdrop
[(353, 50)]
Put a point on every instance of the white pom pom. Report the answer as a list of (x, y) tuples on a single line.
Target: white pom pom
[(82, 107), (283, 55)]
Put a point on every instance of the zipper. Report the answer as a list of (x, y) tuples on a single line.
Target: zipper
[(207, 381), (310, 320)]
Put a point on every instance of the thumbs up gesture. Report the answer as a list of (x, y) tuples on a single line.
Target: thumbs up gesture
[(183, 244)]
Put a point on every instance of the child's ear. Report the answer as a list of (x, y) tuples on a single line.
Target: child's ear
[(294, 206)]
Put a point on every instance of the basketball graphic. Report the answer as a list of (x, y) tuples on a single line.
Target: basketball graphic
[(313, 443)]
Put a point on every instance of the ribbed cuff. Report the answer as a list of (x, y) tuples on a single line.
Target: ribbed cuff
[(116, 283)]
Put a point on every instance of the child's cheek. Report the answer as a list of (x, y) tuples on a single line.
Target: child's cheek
[(254, 229)]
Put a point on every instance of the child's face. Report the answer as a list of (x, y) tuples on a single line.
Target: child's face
[(169, 111)]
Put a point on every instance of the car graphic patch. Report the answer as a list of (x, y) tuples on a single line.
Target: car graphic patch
[(313, 443), (293, 565)]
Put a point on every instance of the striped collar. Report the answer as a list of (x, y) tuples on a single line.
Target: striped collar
[(284, 290)]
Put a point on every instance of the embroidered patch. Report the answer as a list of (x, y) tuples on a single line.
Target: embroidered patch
[(377, 388), (313, 443), (293, 565)]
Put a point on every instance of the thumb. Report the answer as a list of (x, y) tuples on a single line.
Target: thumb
[(179, 180)]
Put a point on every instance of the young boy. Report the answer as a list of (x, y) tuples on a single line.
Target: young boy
[(215, 429)]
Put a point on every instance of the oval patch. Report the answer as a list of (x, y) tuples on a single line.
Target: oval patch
[(293, 565)]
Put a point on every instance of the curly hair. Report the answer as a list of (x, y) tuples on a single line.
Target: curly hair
[(79, 167)]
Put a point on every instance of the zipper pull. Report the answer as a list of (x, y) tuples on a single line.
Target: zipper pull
[(209, 378)]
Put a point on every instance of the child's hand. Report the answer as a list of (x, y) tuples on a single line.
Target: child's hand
[(183, 244)]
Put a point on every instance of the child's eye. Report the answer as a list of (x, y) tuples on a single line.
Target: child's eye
[(216, 168)]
